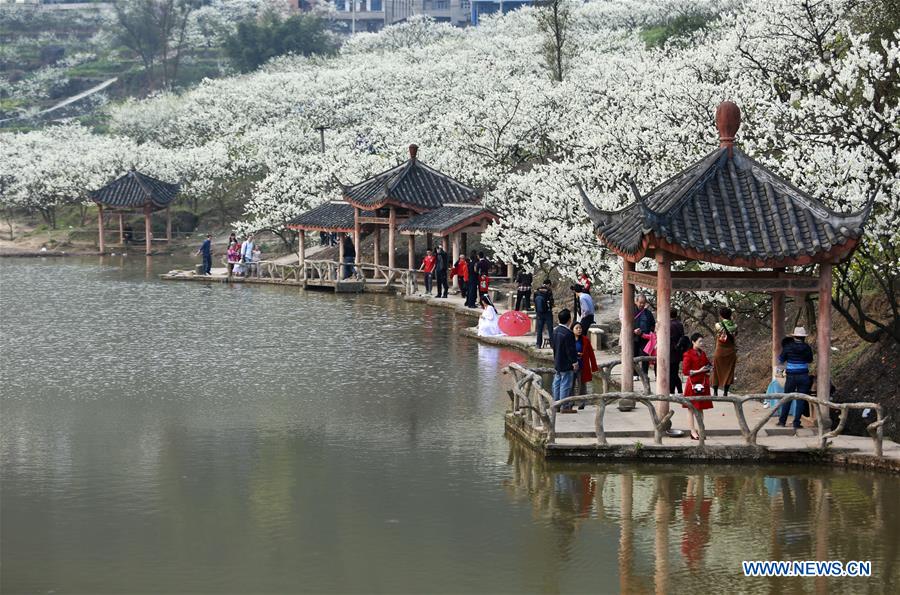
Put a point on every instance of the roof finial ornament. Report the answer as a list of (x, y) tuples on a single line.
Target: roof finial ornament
[(728, 120), (413, 150)]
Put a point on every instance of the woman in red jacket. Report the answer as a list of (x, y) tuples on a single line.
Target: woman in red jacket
[(586, 360), (461, 270), (696, 367)]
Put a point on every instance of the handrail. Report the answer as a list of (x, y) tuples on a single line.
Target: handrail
[(529, 395)]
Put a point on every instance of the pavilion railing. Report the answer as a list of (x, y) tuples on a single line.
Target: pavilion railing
[(531, 402)]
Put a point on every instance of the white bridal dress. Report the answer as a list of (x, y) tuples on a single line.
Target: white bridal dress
[(487, 324)]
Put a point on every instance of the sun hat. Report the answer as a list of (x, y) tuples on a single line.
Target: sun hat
[(799, 331)]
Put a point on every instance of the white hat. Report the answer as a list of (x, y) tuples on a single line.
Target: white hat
[(799, 331)]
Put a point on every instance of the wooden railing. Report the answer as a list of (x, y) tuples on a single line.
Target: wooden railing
[(530, 400)]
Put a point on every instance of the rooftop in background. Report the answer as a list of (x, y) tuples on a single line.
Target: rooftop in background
[(729, 209), (411, 185), (136, 190), (447, 219), (334, 216)]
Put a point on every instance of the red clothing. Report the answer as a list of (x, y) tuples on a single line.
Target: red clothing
[(484, 284), (428, 263), (588, 363), (461, 268), (585, 282), (695, 359)]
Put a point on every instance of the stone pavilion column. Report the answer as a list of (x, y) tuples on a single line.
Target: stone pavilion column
[(626, 339), (392, 232), (100, 242), (823, 339), (663, 327), (148, 236)]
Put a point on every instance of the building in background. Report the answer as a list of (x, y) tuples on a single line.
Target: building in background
[(372, 15)]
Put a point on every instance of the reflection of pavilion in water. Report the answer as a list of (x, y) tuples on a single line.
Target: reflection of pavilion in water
[(692, 528)]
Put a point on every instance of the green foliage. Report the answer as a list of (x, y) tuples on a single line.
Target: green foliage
[(254, 43), (680, 26)]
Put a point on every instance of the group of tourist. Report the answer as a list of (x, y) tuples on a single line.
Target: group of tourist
[(241, 257), (472, 275)]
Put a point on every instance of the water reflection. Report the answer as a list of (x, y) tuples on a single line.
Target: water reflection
[(689, 529)]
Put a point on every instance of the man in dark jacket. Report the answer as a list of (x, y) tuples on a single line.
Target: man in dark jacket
[(440, 271), (349, 256), (523, 290), (644, 324), (206, 251), (796, 356), (565, 359), (543, 311), (472, 286)]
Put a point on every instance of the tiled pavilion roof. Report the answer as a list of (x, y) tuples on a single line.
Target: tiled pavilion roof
[(446, 219), (729, 209), (135, 190), (412, 185), (334, 216)]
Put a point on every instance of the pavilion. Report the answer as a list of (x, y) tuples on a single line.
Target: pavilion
[(411, 198), (729, 210), (135, 193)]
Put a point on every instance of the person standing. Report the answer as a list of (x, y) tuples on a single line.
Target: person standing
[(725, 355), (587, 361), (428, 264), (440, 271), (543, 310), (247, 252), (461, 271), (523, 290), (696, 368), (676, 351), (565, 359), (796, 356), (233, 257), (349, 256), (472, 285), (644, 324), (586, 306), (206, 251)]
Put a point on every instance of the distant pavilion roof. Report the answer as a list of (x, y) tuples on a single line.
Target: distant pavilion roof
[(135, 190), (334, 216), (731, 210), (412, 185), (446, 219)]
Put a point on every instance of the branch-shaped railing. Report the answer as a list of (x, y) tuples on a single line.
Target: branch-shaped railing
[(538, 409)]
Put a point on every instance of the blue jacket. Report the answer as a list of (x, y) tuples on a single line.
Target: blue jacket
[(796, 356), (565, 356), (206, 248)]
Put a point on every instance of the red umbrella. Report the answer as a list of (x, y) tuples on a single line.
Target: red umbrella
[(515, 323)]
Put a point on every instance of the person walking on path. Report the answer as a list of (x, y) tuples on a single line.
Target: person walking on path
[(587, 361), (586, 306), (472, 285), (349, 257), (565, 359), (696, 368), (461, 271), (523, 291), (543, 310), (440, 271), (725, 355), (206, 251), (796, 356), (644, 324), (428, 266), (676, 349)]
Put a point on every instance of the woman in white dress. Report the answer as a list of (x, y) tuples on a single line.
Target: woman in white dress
[(488, 323)]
